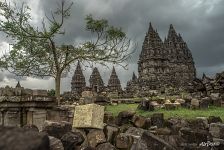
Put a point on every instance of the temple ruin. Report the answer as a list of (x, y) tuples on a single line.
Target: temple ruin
[(163, 63), (96, 81), (114, 84), (78, 82)]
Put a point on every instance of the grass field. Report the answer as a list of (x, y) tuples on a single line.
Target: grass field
[(181, 112)]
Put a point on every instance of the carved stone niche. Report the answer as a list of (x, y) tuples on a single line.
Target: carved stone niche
[(37, 117), (12, 117)]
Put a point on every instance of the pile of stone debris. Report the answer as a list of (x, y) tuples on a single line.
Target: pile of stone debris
[(207, 86), (127, 131), (215, 99)]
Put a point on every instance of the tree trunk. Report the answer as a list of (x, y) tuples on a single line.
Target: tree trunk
[(57, 87)]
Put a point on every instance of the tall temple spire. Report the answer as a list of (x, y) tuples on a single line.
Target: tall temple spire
[(172, 35), (150, 28), (96, 82), (18, 85), (114, 84), (78, 66), (167, 63), (113, 71), (78, 80), (134, 76), (180, 38), (152, 41)]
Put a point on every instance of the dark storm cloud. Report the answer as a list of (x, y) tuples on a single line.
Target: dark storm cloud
[(200, 22)]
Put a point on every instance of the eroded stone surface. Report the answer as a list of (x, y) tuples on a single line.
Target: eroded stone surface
[(88, 116), (55, 144), (13, 138), (57, 129), (95, 137), (105, 146), (72, 139), (217, 130)]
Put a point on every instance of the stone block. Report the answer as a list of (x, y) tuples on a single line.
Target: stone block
[(204, 104), (86, 100), (12, 118), (110, 133), (215, 95), (13, 138), (105, 146), (72, 139), (55, 144), (59, 114), (56, 129), (134, 132), (139, 121), (27, 92), (194, 136), (200, 123), (157, 119), (87, 94), (88, 116), (124, 141), (1, 119), (40, 93), (113, 94), (217, 130), (39, 117), (219, 143), (217, 102), (181, 101), (163, 131), (109, 119), (214, 119), (152, 142), (154, 104), (194, 103), (172, 106), (124, 117), (146, 105), (96, 137)]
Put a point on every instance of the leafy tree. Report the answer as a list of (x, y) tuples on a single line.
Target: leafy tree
[(51, 92), (35, 53)]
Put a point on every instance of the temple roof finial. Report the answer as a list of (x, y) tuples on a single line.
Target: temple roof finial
[(18, 85)]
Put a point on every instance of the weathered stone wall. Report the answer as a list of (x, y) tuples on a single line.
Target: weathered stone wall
[(60, 114), (39, 116), (1, 119), (12, 117)]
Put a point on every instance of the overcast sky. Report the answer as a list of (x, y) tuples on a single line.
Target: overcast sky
[(200, 22)]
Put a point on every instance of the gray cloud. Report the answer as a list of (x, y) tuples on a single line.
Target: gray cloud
[(201, 23)]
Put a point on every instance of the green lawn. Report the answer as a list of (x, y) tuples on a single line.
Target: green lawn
[(181, 112)]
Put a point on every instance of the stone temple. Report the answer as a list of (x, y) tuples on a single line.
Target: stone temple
[(163, 63), (78, 83), (96, 84), (114, 84), (96, 81)]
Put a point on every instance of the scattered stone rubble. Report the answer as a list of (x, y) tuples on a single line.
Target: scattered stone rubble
[(127, 131), (197, 101)]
